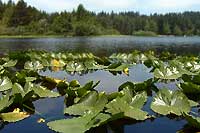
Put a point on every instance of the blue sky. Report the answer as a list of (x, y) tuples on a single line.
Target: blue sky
[(142, 6)]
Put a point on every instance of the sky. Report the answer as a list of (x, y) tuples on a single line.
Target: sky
[(142, 6)]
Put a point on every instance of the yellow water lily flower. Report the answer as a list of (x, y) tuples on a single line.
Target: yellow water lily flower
[(126, 71), (41, 120), (55, 62), (17, 110)]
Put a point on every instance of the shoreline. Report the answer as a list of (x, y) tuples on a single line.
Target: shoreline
[(63, 36)]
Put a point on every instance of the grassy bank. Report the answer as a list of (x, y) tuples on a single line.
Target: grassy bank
[(145, 33), (31, 36)]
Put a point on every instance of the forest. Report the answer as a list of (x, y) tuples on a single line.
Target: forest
[(22, 19)]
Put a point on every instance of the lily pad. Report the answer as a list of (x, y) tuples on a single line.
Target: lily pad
[(5, 102), (5, 84), (190, 88), (92, 102), (167, 73), (13, 116), (78, 125), (44, 92), (170, 102), (36, 65), (118, 106), (10, 63), (192, 121)]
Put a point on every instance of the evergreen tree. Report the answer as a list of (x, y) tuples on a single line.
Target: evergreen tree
[(153, 26), (177, 30), (81, 12), (166, 29), (1, 9), (20, 15)]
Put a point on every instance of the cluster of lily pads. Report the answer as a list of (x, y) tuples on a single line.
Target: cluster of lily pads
[(21, 84)]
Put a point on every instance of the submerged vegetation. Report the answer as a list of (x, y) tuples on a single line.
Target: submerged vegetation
[(22, 19), (21, 84)]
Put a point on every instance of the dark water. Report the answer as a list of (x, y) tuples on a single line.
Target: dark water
[(105, 45), (52, 109)]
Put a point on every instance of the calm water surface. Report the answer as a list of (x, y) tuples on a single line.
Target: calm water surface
[(52, 109), (105, 45)]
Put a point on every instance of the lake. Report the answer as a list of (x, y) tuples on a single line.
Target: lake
[(102, 46), (52, 109)]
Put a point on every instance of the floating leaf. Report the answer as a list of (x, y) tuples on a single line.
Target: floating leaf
[(5, 84), (36, 65), (92, 102), (118, 106), (53, 80), (14, 116), (81, 91), (190, 88), (10, 63), (74, 83), (166, 102), (193, 103), (30, 79), (118, 67), (78, 125), (138, 100), (44, 92), (5, 102), (167, 73), (192, 121)]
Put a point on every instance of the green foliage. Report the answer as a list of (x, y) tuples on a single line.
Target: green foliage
[(169, 102), (80, 124), (13, 116), (22, 83), (144, 33), (192, 121), (86, 29), (21, 19), (5, 102), (166, 29), (177, 31), (5, 84)]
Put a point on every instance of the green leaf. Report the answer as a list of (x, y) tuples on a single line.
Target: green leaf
[(5, 84), (193, 103), (5, 102), (10, 63), (36, 65), (92, 102), (166, 102), (167, 73), (118, 106), (13, 116), (139, 99), (30, 79), (44, 92), (25, 93), (118, 67), (18, 89), (92, 65), (190, 88), (78, 125), (192, 121), (74, 83), (81, 91)]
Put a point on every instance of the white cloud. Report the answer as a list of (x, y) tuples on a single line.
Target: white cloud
[(143, 6), (173, 3)]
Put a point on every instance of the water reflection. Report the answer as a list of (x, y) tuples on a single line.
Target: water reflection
[(108, 82), (103, 46)]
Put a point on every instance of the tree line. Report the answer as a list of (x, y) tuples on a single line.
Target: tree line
[(21, 19)]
